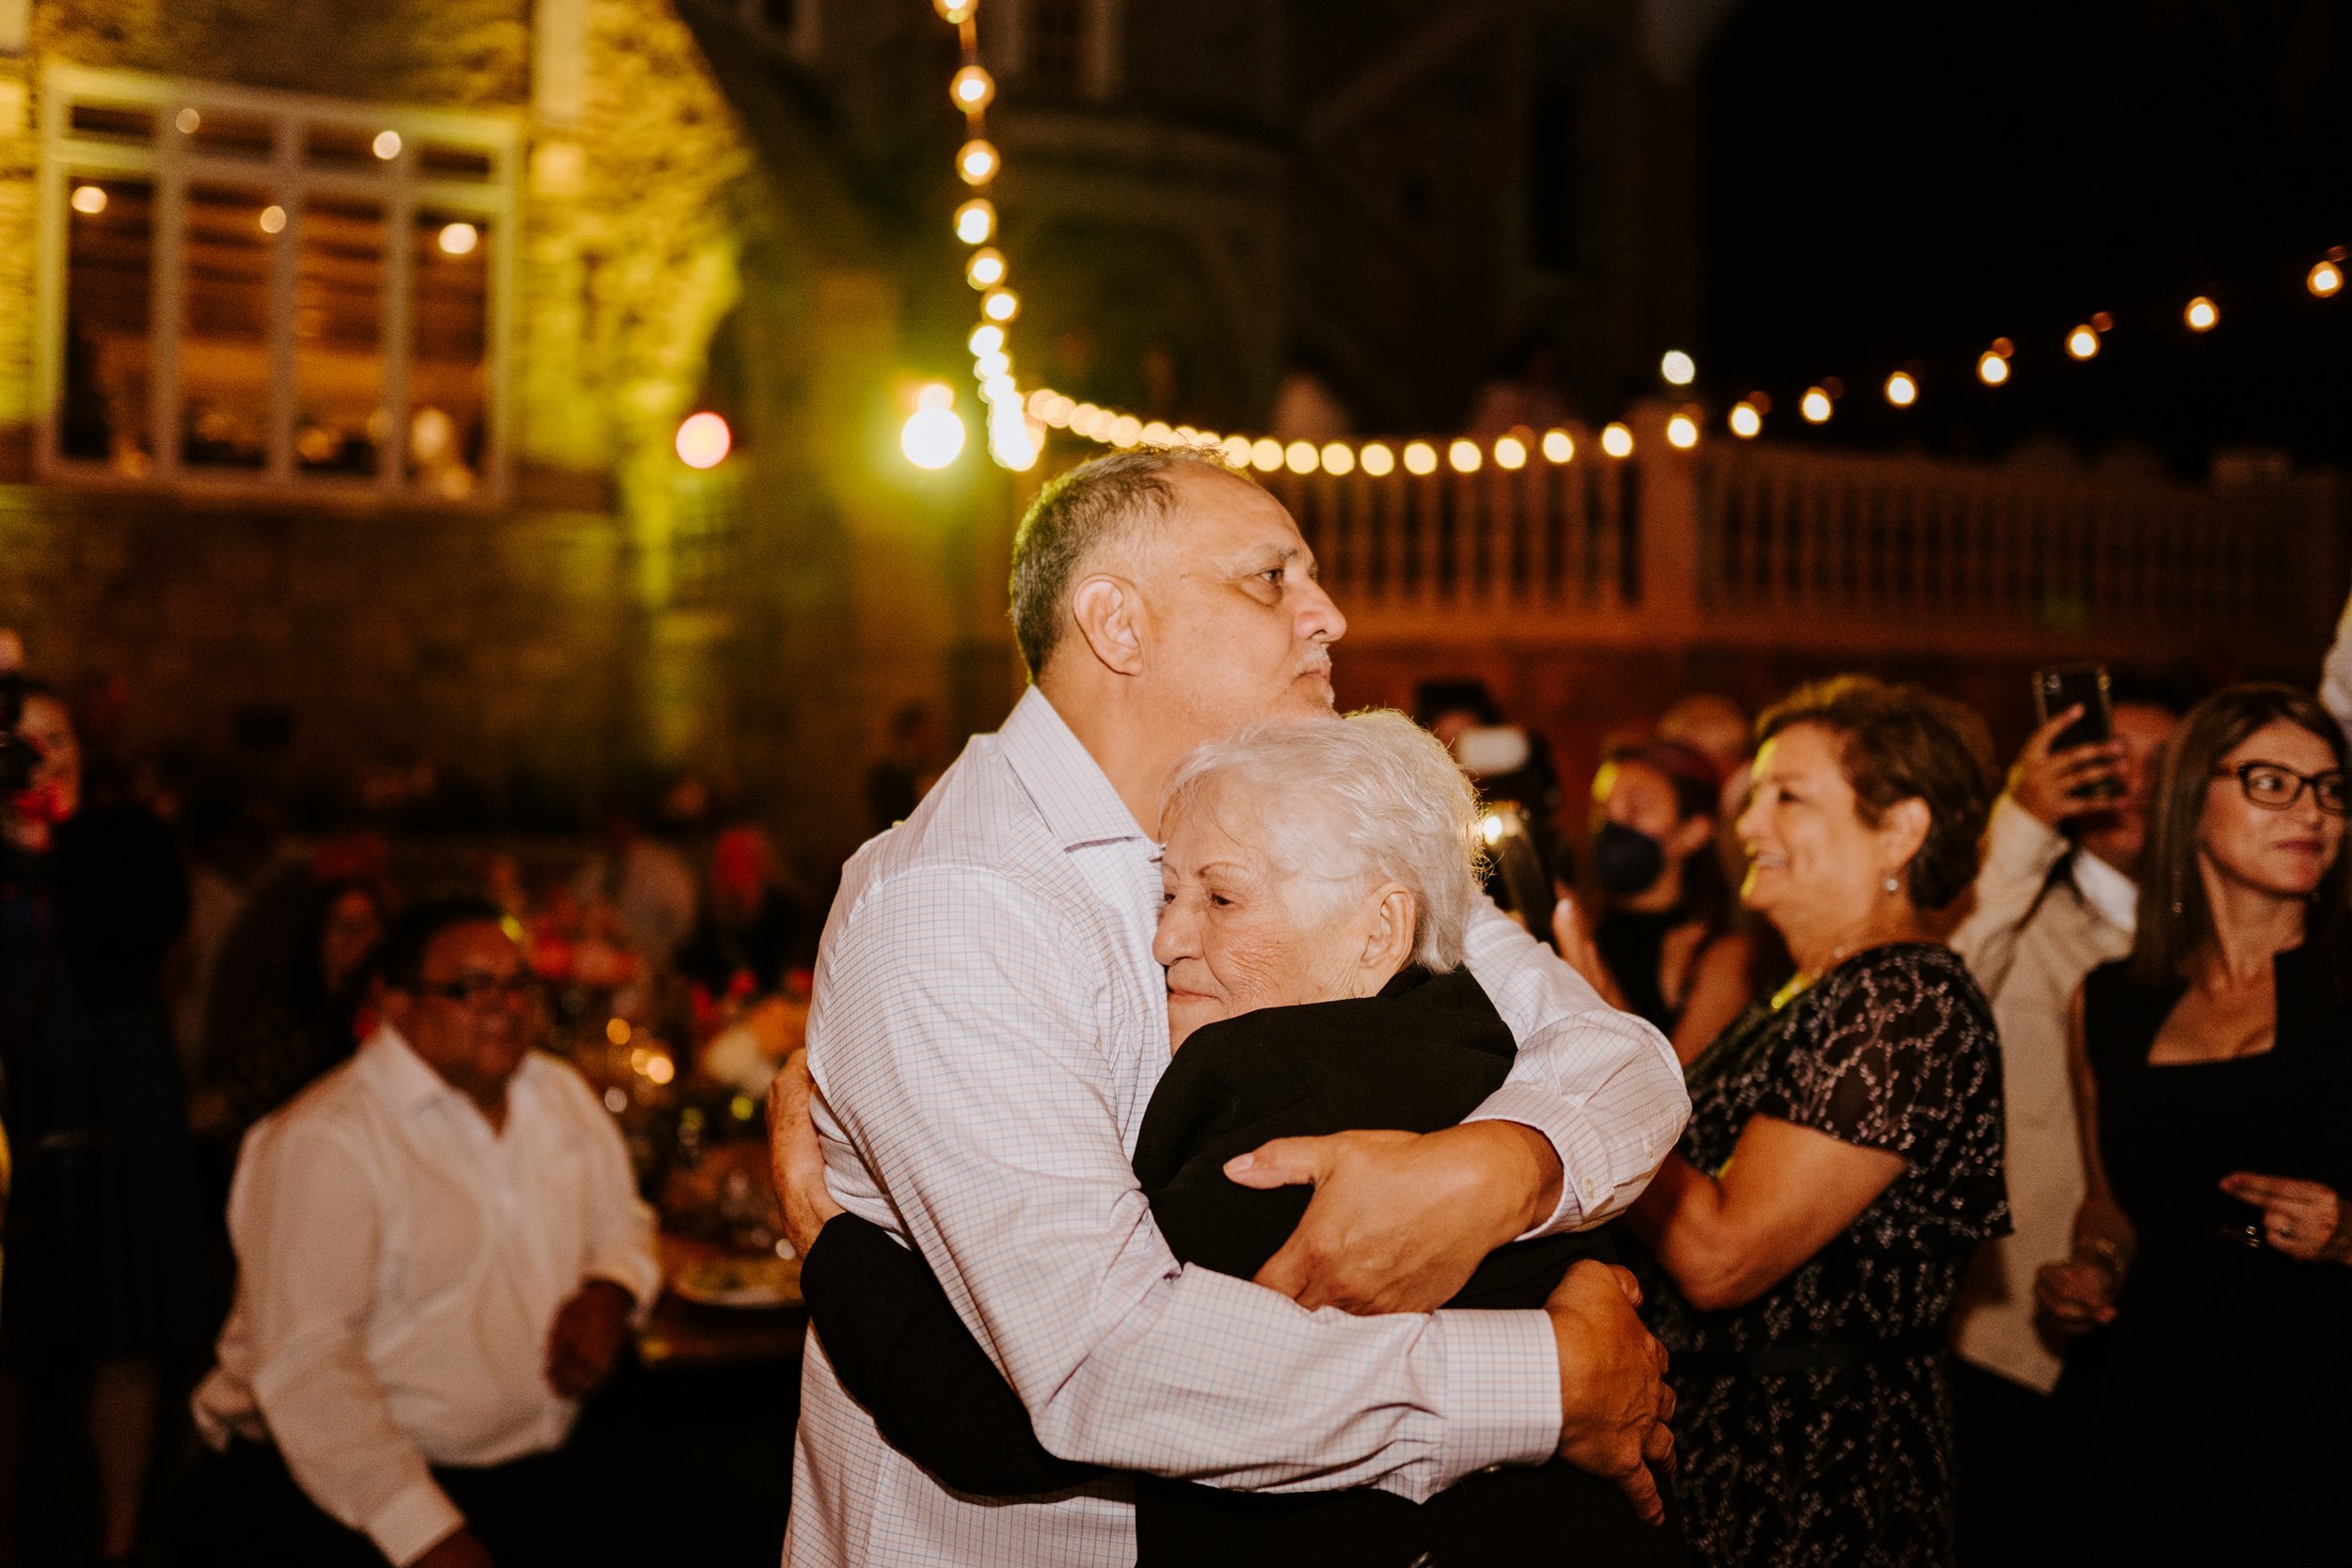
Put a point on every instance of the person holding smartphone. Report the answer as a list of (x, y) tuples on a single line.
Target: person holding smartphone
[(2055, 898)]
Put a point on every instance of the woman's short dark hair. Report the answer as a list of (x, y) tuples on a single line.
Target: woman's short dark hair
[(401, 957), (1897, 743), (2175, 919)]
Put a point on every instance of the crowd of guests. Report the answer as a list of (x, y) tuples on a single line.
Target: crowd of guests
[(2007, 1225)]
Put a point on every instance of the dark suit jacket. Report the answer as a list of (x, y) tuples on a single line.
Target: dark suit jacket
[(1419, 1057)]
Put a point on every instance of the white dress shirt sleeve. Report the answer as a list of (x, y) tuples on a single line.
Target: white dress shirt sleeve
[(621, 1223), (959, 1052), (1604, 1086), (2020, 850), (2335, 675), (307, 1231)]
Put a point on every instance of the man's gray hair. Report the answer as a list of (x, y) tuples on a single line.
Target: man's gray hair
[(1372, 797), (1107, 501)]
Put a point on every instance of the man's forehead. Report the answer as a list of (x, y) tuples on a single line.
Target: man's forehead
[(474, 943), (1217, 518)]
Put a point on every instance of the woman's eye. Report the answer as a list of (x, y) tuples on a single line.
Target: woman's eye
[(1221, 901)]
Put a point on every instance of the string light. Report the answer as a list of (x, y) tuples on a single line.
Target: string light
[(1266, 454), (1745, 422), (933, 436), (1301, 457), (2326, 277), (1420, 458), (955, 12), (2202, 314), (1616, 440), (704, 440), (986, 269), (1338, 458), (972, 89), (1510, 453), (1379, 460), (1814, 406), (1465, 457), (1901, 390), (1992, 369), (187, 120), (387, 145), (975, 221), (1000, 305), (1682, 432), (89, 200), (1678, 368), (986, 338), (1559, 446), (2083, 343), (977, 161)]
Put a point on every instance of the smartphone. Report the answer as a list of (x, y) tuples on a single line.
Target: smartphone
[(2059, 686)]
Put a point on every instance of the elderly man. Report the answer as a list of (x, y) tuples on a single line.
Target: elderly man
[(441, 1248), (989, 1026)]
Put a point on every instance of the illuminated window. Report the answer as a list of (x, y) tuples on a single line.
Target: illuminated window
[(250, 290)]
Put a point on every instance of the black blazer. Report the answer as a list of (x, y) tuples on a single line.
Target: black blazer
[(1419, 1057)]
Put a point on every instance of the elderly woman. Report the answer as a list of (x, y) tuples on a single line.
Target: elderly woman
[(1319, 881), (2212, 1081), (1843, 1159)]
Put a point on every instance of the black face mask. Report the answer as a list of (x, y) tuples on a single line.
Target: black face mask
[(1627, 860)]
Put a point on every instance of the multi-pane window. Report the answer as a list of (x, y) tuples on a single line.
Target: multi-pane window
[(259, 290)]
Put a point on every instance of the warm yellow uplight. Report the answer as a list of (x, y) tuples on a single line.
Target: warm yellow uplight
[(89, 200), (1559, 446), (387, 145), (1510, 453), (1682, 432), (1465, 457), (1420, 458), (1266, 454), (972, 87), (1378, 460), (1000, 305), (986, 338), (2324, 278), (704, 440), (975, 221), (458, 239), (1338, 458), (2203, 314), (977, 161), (1678, 368), (986, 269), (1745, 422), (1992, 369), (1901, 390), (1301, 457), (931, 437), (2083, 341), (1814, 405), (1616, 440)]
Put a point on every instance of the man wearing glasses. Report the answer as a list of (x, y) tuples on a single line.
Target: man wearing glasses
[(440, 1251)]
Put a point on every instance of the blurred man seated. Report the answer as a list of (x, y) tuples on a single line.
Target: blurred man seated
[(441, 1249)]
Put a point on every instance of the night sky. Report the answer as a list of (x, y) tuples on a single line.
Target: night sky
[(1890, 183)]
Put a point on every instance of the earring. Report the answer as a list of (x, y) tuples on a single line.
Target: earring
[(1893, 886)]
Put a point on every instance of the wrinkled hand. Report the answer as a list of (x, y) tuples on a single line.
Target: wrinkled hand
[(458, 1550), (1573, 936), (1614, 1403), (795, 1160), (585, 1344), (2077, 1295), (2304, 1219), (2046, 783), (1399, 1220)]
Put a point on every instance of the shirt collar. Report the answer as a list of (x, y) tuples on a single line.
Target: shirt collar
[(1065, 783), (2115, 895), (398, 1075)]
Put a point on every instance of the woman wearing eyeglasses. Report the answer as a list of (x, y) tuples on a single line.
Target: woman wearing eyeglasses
[(2213, 1081)]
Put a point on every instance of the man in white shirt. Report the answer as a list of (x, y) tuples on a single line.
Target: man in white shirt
[(989, 1024), (440, 1252), (2054, 899)]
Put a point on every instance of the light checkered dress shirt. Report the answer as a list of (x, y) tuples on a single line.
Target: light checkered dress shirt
[(988, 1026)]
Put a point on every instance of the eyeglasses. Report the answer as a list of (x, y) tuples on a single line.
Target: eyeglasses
[(2275, 786), (470, 990)]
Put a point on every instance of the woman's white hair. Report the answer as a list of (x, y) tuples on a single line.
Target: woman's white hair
[(1370, 798)]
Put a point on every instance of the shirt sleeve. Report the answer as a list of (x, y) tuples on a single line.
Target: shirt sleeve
[(970, 1101), (621, 1228), (1604, 1086), (2020, 850), (305, 1220), (2335, 674)]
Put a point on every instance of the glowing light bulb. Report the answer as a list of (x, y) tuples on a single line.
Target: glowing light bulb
[(1266, 454), (977, 161), (987, 365), (1745, 422), (1682, 432), (704, 440), (1559, 446), (955, 12), (1126, 430), (387, 145), (274, 222), (986, 338), (459, 239), (1420, 458), (661, 1070), (2201, 315), (934, 394), (972, 89), (1338, 458), (975, 221), (1465, 457), (1616, 440), (2082, 342), (1378, 460), (89, 200), (1237, 450), (1510, 453), (986, 269), (1814, 405), (1301, 457), (1901, 390), (2324, 278), (1678, 368), (1992, 369), (931, 437), (1000, 305)]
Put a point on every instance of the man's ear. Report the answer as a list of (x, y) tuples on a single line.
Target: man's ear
[(1396, 920), (1110, 616)]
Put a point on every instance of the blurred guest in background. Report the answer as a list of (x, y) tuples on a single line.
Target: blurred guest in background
[(105, 1281), (909, 765), (2212, 1082), (441, 1249), (232, 842), (647, 883), (1663, 945), (1844, 1154), (751, 930), (2055, 898)]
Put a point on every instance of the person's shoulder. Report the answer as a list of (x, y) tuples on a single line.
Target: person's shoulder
[(560, 1081), (336, 1113), (1905, 981)]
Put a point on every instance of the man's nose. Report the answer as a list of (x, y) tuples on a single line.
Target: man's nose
[(1319, 617)]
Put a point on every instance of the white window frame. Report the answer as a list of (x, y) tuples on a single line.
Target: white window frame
[(170, 162)]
